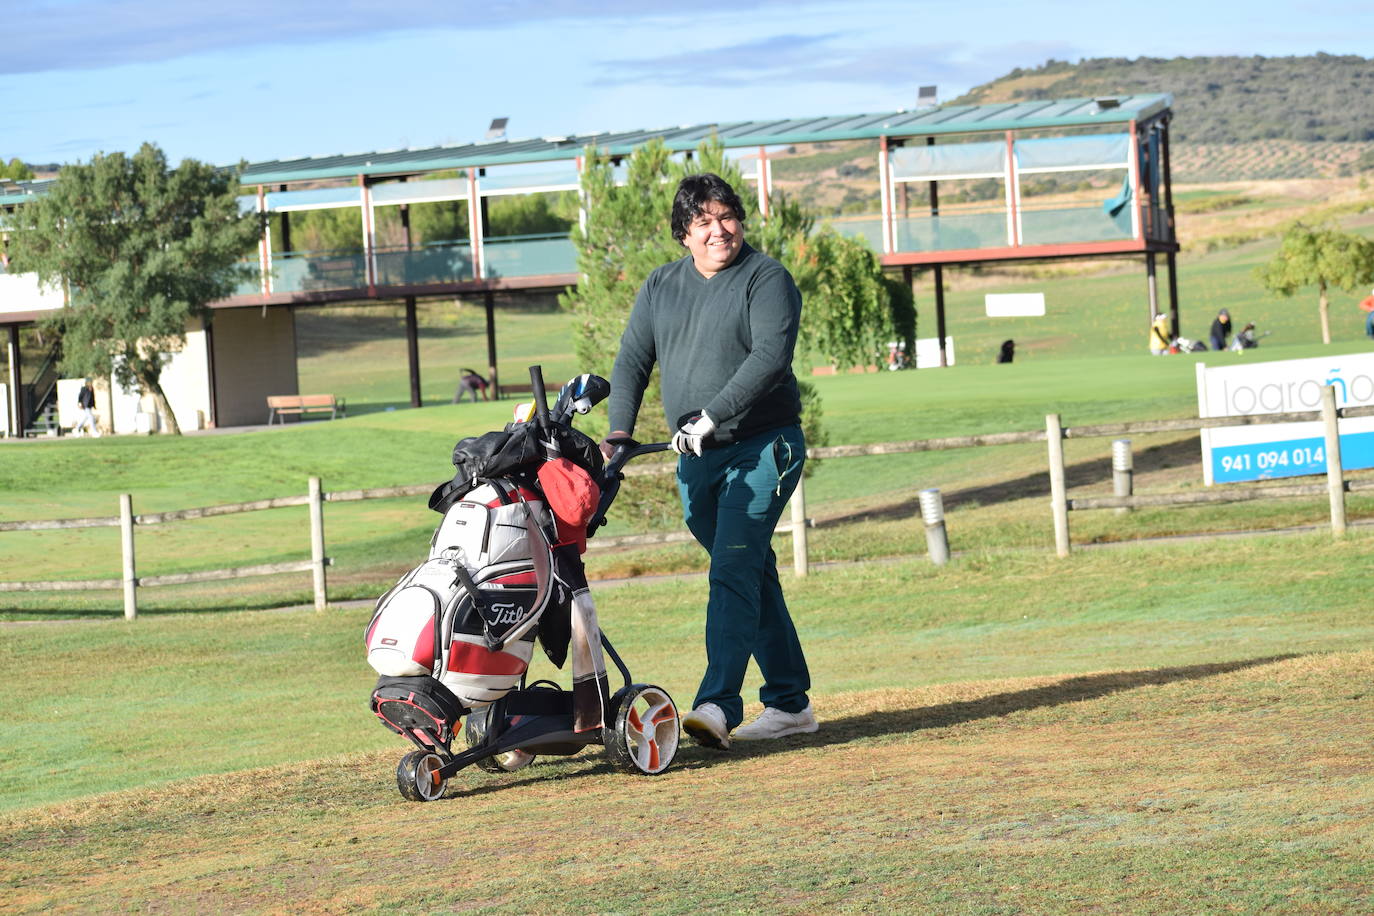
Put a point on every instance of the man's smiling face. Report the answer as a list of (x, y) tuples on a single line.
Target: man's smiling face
[(714, 238)]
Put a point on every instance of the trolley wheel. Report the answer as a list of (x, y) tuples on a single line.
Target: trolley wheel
[(475, 732), (417, 776), (643, 738)]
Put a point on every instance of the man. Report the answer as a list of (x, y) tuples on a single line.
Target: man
[(1159, 335), (85, 401), (721, 323), (1221, 329)]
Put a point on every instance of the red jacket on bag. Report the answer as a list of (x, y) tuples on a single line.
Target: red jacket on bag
[(572, 495)]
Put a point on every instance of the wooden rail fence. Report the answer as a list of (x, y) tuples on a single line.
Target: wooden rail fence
[(1053, 435)]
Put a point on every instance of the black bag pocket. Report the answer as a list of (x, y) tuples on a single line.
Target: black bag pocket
[(407, 703)]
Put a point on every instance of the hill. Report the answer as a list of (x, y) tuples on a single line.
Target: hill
[(1321, 98), (1235, 119)]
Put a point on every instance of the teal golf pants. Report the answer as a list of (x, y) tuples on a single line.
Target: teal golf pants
[(732, 498)]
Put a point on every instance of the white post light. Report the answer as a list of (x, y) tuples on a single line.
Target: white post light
[(933, 514)]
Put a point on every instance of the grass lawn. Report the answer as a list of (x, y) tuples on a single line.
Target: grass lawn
[(1169, 726), (1131, 730)]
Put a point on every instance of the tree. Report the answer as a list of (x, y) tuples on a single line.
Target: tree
[(16, 170), (141, 248), (1319, 256)]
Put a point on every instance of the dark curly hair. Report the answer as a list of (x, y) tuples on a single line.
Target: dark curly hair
[(693, 192)]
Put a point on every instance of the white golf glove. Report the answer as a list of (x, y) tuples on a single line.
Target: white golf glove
[(692, 434)]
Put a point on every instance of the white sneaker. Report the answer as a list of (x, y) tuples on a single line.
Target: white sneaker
[(706, 724), (774, 723)]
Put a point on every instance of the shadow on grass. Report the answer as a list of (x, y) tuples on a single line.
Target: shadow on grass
[(1084, 473), (906, 721), (945, 715)]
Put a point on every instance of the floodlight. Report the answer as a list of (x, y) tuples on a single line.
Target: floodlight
[(925, 97), (1107, 102), (497, 130)]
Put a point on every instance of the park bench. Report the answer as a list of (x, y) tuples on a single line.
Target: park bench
[(279, 406), (504, 391)]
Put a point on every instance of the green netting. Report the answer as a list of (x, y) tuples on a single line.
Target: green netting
[(419, 191), (1085, 151), (333, 270), (869, 228), (954, 160), (1074, 224), (565, 177), (952, 231), (528, 256), (315, 197), (432, 264)]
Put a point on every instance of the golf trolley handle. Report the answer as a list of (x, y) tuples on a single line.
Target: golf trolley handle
[(625, 449)]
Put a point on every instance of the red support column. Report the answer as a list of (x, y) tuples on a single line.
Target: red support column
[(885, 188), (1013, 198), (1134, 175), (475, 226), (764, 189), (264, 246), (369, 238)]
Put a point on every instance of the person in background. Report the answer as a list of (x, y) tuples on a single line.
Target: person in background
[(1221, 329), (1367, 306), (1159, 335), (85, 401), (471, 383), (1008, 351), (721, 324)]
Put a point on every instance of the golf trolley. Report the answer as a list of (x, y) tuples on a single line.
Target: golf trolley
[(453, 638)]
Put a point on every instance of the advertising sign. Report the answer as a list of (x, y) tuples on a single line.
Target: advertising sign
[(1014, 305), (1273, 450)]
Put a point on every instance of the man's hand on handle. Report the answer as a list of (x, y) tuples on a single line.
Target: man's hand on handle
[(607, 444), (692, 435)]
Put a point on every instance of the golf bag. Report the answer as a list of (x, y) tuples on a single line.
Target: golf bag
[(1188, 345), (468, 615)]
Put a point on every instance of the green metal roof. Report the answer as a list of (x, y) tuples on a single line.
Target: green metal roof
[(954, 119), (21, 192), (951, 119)]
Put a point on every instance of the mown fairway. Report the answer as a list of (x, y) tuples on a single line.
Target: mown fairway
[(1132, 730), (996, 497), (1169, 726)]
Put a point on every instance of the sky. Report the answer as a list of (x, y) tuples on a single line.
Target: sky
[(259, 80)]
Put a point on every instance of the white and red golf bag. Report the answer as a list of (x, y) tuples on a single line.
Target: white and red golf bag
[(469, 614)]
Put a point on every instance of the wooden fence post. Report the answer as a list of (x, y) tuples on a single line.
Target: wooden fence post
[(800, 557), (1335, 473), (1059, 502), (126, 542), (317, 542)]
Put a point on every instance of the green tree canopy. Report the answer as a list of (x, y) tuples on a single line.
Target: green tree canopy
[(15, 170), (141, 247), (1320, 256)]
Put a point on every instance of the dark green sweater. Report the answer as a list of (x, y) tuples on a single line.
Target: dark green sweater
[(723, 346)]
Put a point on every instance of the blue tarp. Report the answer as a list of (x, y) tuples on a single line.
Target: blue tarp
[(1089, 150), (966, 160)]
